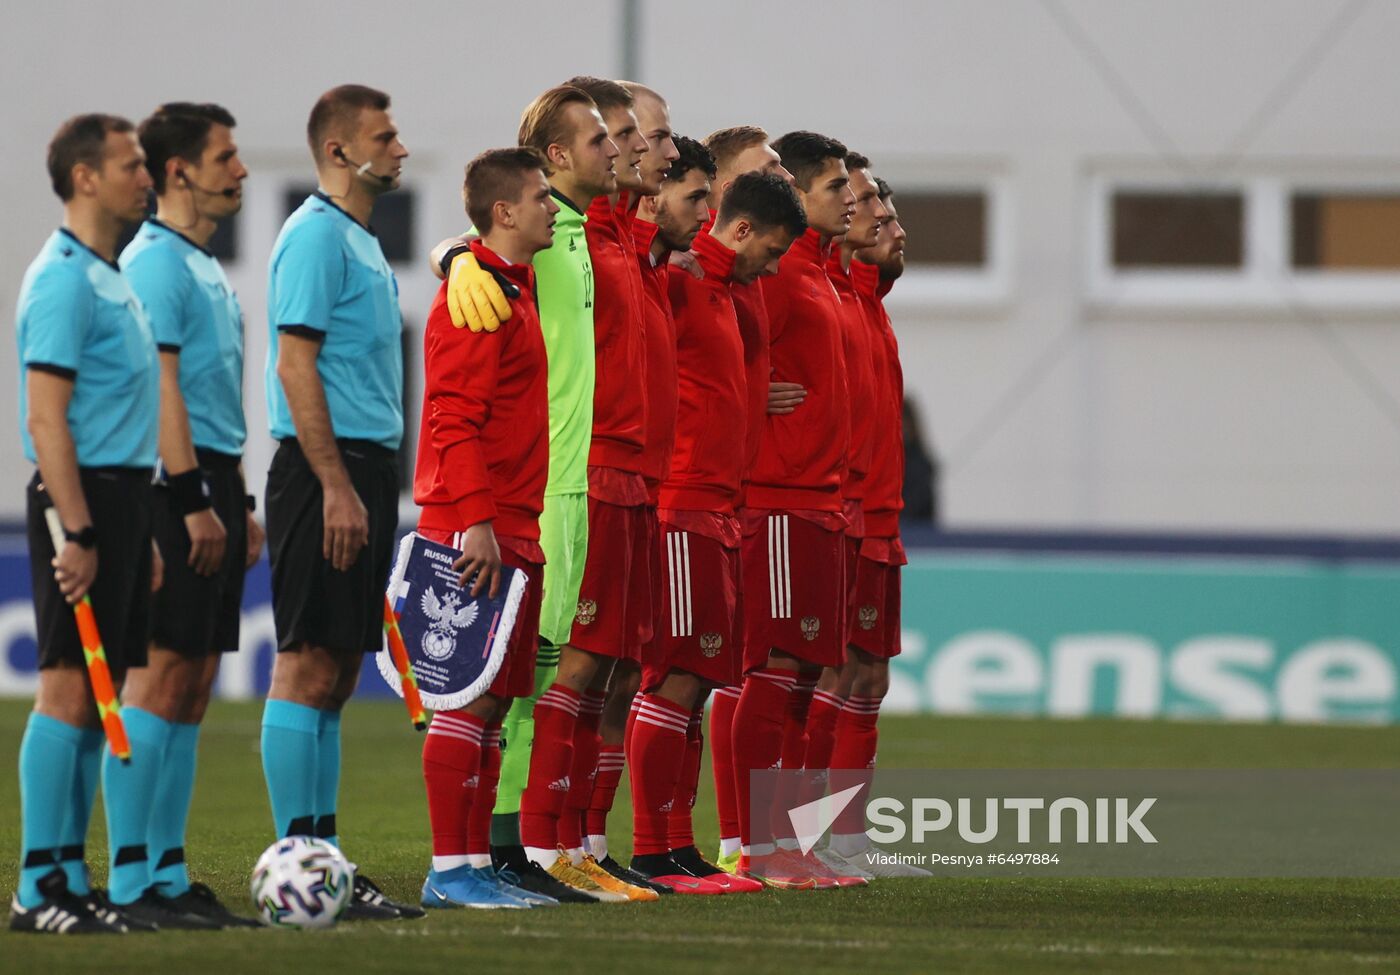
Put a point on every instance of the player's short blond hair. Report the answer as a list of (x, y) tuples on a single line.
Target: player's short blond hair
[(544, 121), (726, 144)]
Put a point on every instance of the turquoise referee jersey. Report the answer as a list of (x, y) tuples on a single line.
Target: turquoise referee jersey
[(193, 311), (78, 317), (328, 277)]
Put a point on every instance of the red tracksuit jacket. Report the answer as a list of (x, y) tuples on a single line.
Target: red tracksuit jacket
[(856, 342), (707, 466), (802, 457), (483, 447), (619, 393), (884, 497), (660, 374)]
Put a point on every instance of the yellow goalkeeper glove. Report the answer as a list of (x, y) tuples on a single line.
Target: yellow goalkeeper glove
[(474, 298)]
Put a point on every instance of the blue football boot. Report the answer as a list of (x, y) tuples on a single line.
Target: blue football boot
[(466, 886)]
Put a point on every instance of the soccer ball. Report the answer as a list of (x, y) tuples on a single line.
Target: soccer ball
[(301, 882)]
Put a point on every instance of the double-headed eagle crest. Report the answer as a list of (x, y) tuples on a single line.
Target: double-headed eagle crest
[(446, 618)]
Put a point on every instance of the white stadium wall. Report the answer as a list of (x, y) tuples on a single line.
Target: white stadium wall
[(1058, 395)]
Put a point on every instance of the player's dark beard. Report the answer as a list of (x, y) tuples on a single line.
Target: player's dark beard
[(666, 227), (891, 268)]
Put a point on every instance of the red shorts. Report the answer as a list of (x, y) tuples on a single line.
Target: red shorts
[(850, 560), (516, 678), (794, 589), (876, 627), (614, 617), (655, 582), (700, 602)]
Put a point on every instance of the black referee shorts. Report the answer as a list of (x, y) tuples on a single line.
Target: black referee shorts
[(119, 500), (195, 615), (311, 601)]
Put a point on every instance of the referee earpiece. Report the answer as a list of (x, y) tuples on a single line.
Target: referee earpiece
[(364, 168), (231, 192)]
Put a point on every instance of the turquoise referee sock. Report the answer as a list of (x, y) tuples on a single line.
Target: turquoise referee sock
[(75, 825), (165, 838), (289, 758), (48, 763), (128, 792), (327, 775)]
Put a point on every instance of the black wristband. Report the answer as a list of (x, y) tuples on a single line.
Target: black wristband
[(188, 491), (251, 501), (84, 538), (452, 253)]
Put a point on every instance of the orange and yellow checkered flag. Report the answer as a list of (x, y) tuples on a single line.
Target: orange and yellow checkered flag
[(399, 654), (109, 709)]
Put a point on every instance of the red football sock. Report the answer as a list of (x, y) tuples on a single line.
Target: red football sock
[(681, 829), (451, 766), (722, 759), (606, 778), (821, 739), (658, 751), (556, 713), (484, 801), (799, 703), (631, 722), (821, 729), (585, 761), (853, 760), (758, 740)]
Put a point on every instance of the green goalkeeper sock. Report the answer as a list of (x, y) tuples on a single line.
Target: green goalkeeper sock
[(517, 735)]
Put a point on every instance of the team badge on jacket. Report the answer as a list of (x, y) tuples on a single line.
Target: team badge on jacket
[(811, 626)]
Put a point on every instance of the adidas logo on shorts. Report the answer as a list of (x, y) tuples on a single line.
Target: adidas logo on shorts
[(559, 785)]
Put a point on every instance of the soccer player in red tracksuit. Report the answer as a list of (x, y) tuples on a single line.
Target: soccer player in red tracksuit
[(794, 523), (696, 648), (667, 223), (875, 638), (483, 458), (614, 615), (659, 332), (738, 150), (809, 737)]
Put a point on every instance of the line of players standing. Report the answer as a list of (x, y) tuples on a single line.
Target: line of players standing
[(658, 518)]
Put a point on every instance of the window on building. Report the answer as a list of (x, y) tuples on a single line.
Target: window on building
[(393, 221), (1270, 240), (1346, 231), (1178, 230), (946, 228)]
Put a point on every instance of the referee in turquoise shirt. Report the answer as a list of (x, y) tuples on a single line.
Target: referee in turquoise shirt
[(335, 404), (88, 401), (203, 522)]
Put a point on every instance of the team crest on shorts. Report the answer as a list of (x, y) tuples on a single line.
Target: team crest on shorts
[(587, 611), (868, 616), (811, 626), (710, 644), (447, 618)]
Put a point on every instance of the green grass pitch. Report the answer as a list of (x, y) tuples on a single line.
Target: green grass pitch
[(959, 924)]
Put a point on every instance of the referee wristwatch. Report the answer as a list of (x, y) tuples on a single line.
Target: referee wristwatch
[(85, 538)]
